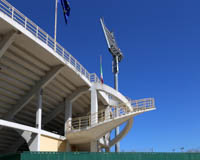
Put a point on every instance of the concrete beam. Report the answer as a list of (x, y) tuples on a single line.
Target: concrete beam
[(22, 127), (8, 39), (77, 93), (27, 98)]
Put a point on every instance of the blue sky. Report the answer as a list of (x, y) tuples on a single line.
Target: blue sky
[(161, 45)]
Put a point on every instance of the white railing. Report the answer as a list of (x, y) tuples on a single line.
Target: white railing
[(103, 115), (94, 78), (36, 31)]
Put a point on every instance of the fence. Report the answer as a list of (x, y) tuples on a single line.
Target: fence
[(12, 156), (101, 156)]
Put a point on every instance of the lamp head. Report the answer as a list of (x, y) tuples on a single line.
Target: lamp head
[(116, 52)]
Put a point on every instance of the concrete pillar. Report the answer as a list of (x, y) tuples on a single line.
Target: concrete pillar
[(32, 139), (93, 146), (94, 107), (39, 110), (117, 145), (107, 136), (107, 113), (35, 145), (68, 147), (68, 116), (68, 122)]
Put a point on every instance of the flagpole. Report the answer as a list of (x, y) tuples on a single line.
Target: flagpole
[(55, 31), (101, 69)]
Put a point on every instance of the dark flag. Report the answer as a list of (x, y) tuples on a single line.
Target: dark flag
[(66, 9)]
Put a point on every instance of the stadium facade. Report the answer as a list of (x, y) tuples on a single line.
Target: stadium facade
[(48, 100)]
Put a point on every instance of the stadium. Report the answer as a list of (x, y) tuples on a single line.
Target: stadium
[(48, 100)]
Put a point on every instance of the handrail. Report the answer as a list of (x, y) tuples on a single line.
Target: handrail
[(40, 34), (36, 31), (103, 115)]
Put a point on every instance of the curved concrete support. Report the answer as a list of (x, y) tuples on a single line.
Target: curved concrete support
[(113, 92), (98, 131), (104, 141), (107, 145), (87, 134), (122, 133), (30, 135)]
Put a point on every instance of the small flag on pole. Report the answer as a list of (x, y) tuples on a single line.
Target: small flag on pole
[(66, 9), (101, 70)]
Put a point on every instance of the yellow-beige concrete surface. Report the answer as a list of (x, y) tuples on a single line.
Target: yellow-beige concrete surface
[(49, 144)]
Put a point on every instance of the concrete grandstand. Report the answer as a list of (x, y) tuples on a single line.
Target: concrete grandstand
[(48, 100)]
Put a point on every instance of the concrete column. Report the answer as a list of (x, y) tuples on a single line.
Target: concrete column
[(107, 136), (68, 116), (93, 146), (39, 110), (94, 117), (68, 147), (68, 122), (94, 107), (107, 113), (36, 141)]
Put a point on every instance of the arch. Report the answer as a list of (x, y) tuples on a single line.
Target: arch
[(122, 133), (13, 137)]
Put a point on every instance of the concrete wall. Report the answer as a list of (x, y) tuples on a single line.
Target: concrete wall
[(51, 144)]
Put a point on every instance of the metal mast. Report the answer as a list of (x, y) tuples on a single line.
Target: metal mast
[(117, 57), (116, 71), (55, 27)]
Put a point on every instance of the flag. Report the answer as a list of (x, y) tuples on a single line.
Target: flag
[(66, 9), (101, 70)]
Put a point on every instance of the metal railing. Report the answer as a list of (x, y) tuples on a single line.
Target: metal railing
[(94, 78), (103, 115), (36, 31)]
